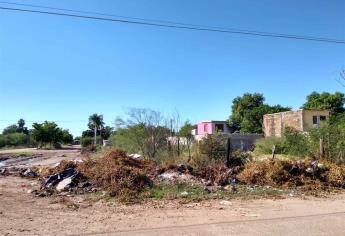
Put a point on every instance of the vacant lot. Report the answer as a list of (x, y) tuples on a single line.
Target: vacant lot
[(23, 214)]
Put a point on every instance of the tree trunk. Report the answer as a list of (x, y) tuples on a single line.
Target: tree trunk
[(95, 130)]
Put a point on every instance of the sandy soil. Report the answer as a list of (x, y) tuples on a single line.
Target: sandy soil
[(21, 213)]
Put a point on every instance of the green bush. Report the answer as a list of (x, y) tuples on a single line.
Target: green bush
[(292, 143), (295, 143), (86, 141), (264, 145), (213, 146), (14, 139), (333, 137)]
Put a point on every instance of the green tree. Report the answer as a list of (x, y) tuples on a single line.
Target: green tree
[(247, 113), (10, 129), (95, 124), (325, 101), (47, 133), (21, 127), (67, 137), (16, 128)]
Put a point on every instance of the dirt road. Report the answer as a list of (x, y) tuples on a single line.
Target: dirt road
[(23, 214), (37, 157)]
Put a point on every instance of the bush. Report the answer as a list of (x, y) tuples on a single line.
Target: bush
[(87, 141), (295, 143), (213, 146), (14, 139), (292, 143), (264, 145)]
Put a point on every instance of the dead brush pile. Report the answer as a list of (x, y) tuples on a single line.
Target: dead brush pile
[(307, 175), (63, 165), (120, 175), (217, 174)]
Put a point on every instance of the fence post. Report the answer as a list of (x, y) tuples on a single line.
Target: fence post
[(273, 151), (228, 152), (321, 148)]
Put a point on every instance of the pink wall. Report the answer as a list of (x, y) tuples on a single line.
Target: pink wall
[(205, 128)]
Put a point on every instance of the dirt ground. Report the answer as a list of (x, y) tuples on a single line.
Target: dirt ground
[(37, 157), (21, 213)]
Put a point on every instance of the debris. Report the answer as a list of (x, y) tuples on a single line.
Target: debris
[(184, 193), (135, 156), (306, 175), (29, 173), (226, 203), (62, 185), (218, 174), (119, 174), (53, 180)]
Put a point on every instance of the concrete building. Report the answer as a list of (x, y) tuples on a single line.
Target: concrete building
[(205, 128), (302, 120)]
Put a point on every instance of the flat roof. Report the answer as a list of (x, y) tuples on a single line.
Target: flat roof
[(297, 111), (213, 121)]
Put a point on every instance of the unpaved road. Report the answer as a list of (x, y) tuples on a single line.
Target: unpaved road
[(23, 214), (38, 157)]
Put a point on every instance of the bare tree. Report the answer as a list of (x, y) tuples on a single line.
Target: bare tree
[(146, 128), (341, 80)]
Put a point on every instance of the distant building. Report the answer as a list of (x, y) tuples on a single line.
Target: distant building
[(301, 120), (205, 128)]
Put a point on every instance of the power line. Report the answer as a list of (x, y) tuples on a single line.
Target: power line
[(176, 25), (148, 19), (56, 121)]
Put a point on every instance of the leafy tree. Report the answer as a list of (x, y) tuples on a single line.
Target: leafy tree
[(67, 138), (19, 128), (333, 102), (47, 133), (186, 132), (10, 129), (95, 124), (247, 113)]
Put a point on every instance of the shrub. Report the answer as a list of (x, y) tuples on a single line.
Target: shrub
[(86, 141), (213, 146), (14, 139), (264, 145), (295, 143)]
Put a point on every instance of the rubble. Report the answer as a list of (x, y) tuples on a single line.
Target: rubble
[(29, 173)]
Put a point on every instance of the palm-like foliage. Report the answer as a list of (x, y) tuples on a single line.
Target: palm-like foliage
[(96, 123)]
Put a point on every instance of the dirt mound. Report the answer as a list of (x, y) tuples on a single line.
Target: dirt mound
[(308, 175), (120, 175)]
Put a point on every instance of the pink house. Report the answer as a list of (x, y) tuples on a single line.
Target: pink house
[(205, 128)]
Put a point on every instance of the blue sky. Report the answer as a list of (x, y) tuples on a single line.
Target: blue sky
[(64, 69)]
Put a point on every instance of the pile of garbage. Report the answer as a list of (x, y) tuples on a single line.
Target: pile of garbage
[(126, 176), (176, 174), (307, 175), (21, 172), (218, 175)]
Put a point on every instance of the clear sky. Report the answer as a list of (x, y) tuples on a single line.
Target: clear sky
[(64, 69)]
